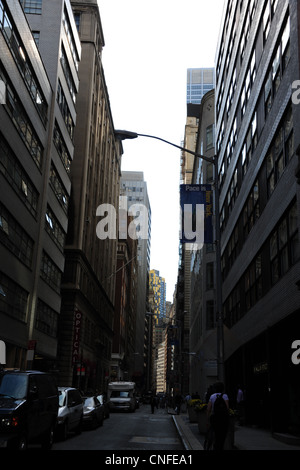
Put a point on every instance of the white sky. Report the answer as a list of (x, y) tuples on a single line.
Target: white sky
[(149, 45)]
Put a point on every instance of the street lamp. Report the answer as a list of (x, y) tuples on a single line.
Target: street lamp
[(124, 135)]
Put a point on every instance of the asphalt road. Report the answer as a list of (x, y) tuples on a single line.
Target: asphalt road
[(137, 431)]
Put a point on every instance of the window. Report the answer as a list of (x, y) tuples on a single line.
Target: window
[(210, 320), (16, 240), (251, 210), (280, 151), (249, 144), (54, 229), (21, 121), (209, 137), (65, 111), (209, 276), (284, 245), (14, 302), (59, 189), (61, 148), (279, 63), (253, 283), (17, 177), (46, 319), (50, 272), (32, 6)]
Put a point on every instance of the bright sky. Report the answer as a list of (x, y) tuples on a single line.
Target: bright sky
[(149, 45)]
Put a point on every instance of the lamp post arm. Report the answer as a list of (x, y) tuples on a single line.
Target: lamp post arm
[(123, 135)]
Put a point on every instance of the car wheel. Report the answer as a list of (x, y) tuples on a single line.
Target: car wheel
[(22, 443), (79, 427), (47, 440), (63, 432)]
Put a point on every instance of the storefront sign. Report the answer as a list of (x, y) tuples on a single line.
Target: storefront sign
[(76, 335)]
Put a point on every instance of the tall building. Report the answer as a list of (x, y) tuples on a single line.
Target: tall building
[(257, 135), (36, 151), (157, 285), (125, 312), (134, 188), (199, 82), (88, 287), (203, 339)]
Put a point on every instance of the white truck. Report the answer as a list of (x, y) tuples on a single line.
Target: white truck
[(121, 396)]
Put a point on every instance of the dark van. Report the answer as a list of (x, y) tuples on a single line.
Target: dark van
[(28, 409)]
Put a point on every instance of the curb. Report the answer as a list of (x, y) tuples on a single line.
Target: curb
[(189, 441)]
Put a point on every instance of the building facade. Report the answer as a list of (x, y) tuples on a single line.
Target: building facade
[(134, 188), (203, 333), (37, 128), (257, 135), (88, 287)]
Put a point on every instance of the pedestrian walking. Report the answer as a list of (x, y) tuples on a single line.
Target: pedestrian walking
[(178, 402), (240, 405), (152, 403), (218, 415)]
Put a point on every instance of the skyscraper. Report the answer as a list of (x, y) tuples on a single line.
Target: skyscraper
[(157, 285), (36, 150), (257, 136), (199, 82)]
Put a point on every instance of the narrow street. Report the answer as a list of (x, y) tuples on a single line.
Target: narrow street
[(141, 430)]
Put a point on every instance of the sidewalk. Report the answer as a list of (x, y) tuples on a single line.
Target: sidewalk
[(246, 438)]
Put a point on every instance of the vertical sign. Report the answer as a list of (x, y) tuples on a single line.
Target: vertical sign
[(196, 213), (76, 336)]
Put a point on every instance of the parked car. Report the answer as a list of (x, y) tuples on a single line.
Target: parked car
[(70, 411), (28, 409), (93, 412), (105, 404)]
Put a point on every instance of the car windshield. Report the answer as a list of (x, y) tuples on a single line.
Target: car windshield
[(89, 402), (121, 394), (13, 385), (62, 398)]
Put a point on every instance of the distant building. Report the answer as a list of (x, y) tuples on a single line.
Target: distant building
[(158, 285), (134, 188), (199, 82)]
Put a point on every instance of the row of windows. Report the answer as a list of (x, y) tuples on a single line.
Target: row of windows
[(278, 255), (14, 300), (54, 229), (70, 37), (32, 6), (21, 58), (50, 273), (65, 111), (277, 157), (251, 139), (46, 319), (16, 176), (14, 237), (59, 190), (61, 148), (21, 120), (68, 74), (250, 74)]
